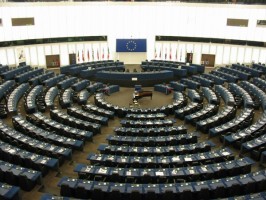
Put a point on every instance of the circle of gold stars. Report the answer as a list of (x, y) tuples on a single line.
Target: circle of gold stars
[(131, 45)]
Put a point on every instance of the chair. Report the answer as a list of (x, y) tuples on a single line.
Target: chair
[(204, 193), (97, 194), (10, 178), (135, 164), (235, 190), (115, 194), (249, 187), (146, 178), (81, 192), (218, 192), (66, 190), (114, 177), (135, 195), (256, 153), (162, 179), (98, 178), (25, 183), (168, 195), (221, 173), (130, 179), (151, 195), (186, 195), (179, 180)]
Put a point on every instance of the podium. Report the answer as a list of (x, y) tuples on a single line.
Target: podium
[(138, 88)]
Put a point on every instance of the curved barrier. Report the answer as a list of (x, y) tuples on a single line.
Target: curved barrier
[(136, 78)]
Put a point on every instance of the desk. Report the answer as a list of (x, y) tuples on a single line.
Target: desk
[(21, 124), (191, 84), (122, 111), (135, 187), (263, 157), (253, 144), (145, 116), (217, 188), (201, 189), (229, 78), (232, 186), (190, 108), (104, 187), (120, 187), (152, 141), (185, 189), (157, 150), (87, 185), (247, 183), (245, 115), (147, 123), (192, 173), (143, 78), (9, 191), (229, 139), (163, 88), (81, 114), (75, 122), (97, 110), (157, 161), (260, 179)]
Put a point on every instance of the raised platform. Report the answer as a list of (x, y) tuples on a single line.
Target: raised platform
[(127, 79)]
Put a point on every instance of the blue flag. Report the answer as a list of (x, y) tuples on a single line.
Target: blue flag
[(131, 45)]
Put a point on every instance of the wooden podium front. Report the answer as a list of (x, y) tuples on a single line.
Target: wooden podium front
[(208, 60)]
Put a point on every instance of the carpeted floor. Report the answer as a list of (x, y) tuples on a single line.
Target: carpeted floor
[(121, 98)]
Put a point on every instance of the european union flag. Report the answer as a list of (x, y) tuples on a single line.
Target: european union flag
[(131, 45)]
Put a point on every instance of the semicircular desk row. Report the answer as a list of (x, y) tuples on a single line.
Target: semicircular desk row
[(130, 79)]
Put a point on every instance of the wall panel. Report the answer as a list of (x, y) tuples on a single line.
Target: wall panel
[(33, 56), (197, 53), (240, 55), (213, 48), (233, 54), (27, 55), (255, 55), (41, 55), (226, 55), (48, 50), (11, 56), (132, 19), (3, 57), (64, 56), (248, 55), (205, 48), (262, 57), (219, 55)]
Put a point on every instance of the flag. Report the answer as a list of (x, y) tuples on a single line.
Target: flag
[(103, 54), (98, 57), (131, 45), (155, 54), (180, 55), (92, 54), (165, 54), (170, 55), (176, 54), (160, 55), (108, 53), (88, 54), (78, 56), (83, 58)]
